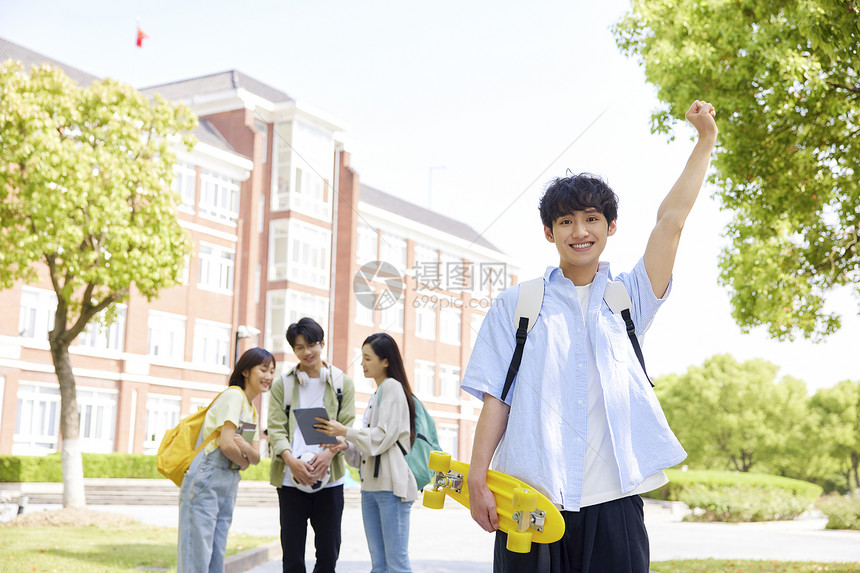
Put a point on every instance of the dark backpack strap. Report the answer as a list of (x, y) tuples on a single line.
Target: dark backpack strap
[(402, 449), (339, 401), (522, 333), (631, 334), (376, 468)]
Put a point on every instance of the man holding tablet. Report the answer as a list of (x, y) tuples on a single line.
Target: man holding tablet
[(300, 460)]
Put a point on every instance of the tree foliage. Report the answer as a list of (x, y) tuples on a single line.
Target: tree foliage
[(837, 410), (732, 415), (785, 78), (85, 192)]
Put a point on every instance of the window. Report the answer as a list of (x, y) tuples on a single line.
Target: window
[(475, 327), (278, 245), (393, 250), (219, 197), (425, 322), (37, 424), (448, 439), (184, 183), (314, 161), (449, 325), (428, 271), (261, 214), (456, 273), (366, 244), (391, 318), (285, 307), (162, 414), (284, 155), (425, 254), (97, 410), (98, 336), (309, 254), (166, 335), (211, 342), (363, 314), (425, 373), (264, 144), (449, 377), (258, 284), (216, 267), (36, 317)]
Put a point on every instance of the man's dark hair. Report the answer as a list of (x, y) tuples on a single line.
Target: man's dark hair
[(307, 327), (565, 195)]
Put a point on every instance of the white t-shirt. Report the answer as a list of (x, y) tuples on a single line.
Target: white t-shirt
[(310, 396), (601, 481)]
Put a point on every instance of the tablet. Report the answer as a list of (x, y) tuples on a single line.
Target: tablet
[(306, 418)]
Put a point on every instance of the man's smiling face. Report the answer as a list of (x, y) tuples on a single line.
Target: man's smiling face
[(580, 238)]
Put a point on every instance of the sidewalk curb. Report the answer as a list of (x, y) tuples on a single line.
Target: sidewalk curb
[(251, 558)]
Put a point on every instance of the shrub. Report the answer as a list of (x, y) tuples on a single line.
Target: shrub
[(842, 511), (742, 503)]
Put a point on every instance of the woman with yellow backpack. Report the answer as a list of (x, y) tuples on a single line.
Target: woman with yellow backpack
[(208, 492)]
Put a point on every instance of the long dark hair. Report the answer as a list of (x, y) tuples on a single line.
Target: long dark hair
[(386, 348), (249, 359)]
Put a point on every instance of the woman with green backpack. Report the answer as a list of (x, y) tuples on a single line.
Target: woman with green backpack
[(388, 487)]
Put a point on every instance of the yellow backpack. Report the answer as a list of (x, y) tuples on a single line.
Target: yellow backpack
[(177, 450)]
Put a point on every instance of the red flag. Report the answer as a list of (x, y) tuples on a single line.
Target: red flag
[(140, 37)]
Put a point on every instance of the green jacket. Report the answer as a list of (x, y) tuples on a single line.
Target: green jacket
[(281, 432)]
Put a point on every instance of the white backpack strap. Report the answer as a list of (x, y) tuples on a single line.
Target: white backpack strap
[(616, 297), (288, 378), (618, 300), (337, 378), (529, 301)]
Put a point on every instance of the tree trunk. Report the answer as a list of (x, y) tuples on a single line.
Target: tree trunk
[(73, 467)]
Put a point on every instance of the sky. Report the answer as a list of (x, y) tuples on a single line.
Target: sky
[(468, 108)]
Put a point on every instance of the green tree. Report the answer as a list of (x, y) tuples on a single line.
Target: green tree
[(785, 79), (838, 433), (733, 415), (85, 196)]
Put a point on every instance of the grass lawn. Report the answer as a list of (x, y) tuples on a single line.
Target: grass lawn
[(123, 546), (750, 566)]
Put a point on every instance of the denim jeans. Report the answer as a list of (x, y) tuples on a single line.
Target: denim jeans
[(386, 526), (206, 501)]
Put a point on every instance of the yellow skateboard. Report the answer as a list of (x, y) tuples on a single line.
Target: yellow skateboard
[(525, 514)]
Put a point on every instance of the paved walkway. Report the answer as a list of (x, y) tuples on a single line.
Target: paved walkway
[(448, 540)]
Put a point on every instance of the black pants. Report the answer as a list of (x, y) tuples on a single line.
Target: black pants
[(324, 509), (604, 538)]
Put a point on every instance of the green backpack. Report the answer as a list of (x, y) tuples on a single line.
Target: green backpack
[(426, 441)]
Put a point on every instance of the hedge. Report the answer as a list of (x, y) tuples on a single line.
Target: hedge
[(48, 468), (680, 481)]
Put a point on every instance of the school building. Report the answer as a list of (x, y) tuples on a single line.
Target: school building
[(281, 228)]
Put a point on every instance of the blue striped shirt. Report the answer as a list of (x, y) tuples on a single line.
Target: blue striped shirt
[(545, 441)]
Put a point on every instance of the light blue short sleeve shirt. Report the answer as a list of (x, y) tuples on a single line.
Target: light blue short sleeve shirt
[(545, 441)]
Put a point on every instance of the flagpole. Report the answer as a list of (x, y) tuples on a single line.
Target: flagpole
[(137, 46)]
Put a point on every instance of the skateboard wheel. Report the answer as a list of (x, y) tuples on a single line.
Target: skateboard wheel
[(524, 499), (439, 462), (519, 541), (434, 499)]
